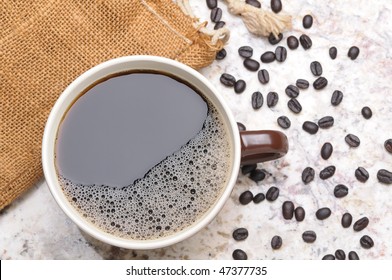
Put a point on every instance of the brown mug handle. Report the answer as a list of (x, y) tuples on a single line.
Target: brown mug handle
[(262, 145)]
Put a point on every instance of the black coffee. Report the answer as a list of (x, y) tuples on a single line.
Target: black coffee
[(142, 155)]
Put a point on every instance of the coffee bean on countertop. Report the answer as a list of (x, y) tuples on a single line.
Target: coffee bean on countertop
[(246, 197), (258, 198), (267, 57), (384, 176), (316, 68), (388, 145), (221, 54), (292, 42), (219, 25), (307, 21), (310, 127), (246, 169), (284, 122), (320, 83), (239, 86), (323, 213), (245, 51), (272, 99), (273, 41), (263, 76), (240, 234), (366, 242), (251, 64), (257, 175), (326, 122), (327, 172), (227, 80), (352, 255), (352, 140), (302, 84), (333, 52), (340, 254), (238, 254), (340, 191), (292, 91), (347, 219), (305, 41), (326, 150), (307, 175), (361, 174), (294, 105), (212, 3), (281, 54), (353, 52), (272, 194), (257, 100), (276, 242), (276, 6), (328, 257), (288, 210), (337, 97), (299, 214), (216, 14), (253, 3), (241, 126), (309, 236), (361, 224), (366, 112)]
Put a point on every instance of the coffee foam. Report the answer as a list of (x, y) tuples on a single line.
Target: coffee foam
[(172, 196)]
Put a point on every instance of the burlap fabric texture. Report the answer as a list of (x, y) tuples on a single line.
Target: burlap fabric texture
[(45, 44)]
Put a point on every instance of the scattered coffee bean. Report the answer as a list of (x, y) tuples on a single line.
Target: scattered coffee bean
[(384, 176), (212, 3), (353, 52), (251, 64), (307, 21), (292, 42), (272, 99), (253, 3), (263, 76), (257, 175), (326, 122), (352, 140), (299, 213), (302, 84), (309, 236), (327, 172), (281, 54), (337, 97), (216, 14), (246, 197), (227, 80), (294, 105), (276, 242), (347, 219), (305, 41), (361, 174), (320, 83), (310, 127), (366, 242), (267, 57), (326, 150), (361, 224), (352, 255), (219, 25), (272, 194), (240, 234), (292, 91), (238, 254), (257, 100), (388, 145), (258, 198), (288, 210), (273, 40), (276, 6), (340, 254), (340, 191), (307, 175), (245, 51), (333, 52), (241, 126), (323, 213), (284, 122), (221, 54), (240, 86), (316, 68), (328, 257), (366, 112), (246, 169)]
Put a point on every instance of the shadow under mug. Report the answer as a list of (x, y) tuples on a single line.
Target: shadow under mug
[(248, 147)]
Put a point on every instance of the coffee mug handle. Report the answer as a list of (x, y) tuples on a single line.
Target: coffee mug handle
[(262, 145)]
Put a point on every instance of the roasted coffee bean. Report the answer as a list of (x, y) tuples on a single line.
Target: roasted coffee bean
[(219, 25), (307, 21), (353, 52), (328, 257), (384, 176), (216, 14), (221, 54), (273, 40), (292, 42), (347, 219), (238, 254), (276, 6), (281, 54), (320, 83), (267, 57), (263, 76), (299, 213), (276, 242), (310, 127), (257, 175), (302, 84), (366, 242), (361, 174), (257, 100), (288, 210), (240, 234), (327, 172), (294, 105), (245, 51), (340, 254), (366, 112), (323, 213), (305, 41), (241, 126), (309, 236), (239, 86), (272, 194), (212, 3), (352, 140), (333, 52), (326, 150), (258, 198), (352, 255), (307, 175), (340, 191), (284, 122), (246, 169), (292, 91), (388, 145), (246, 197), (227, 79), (337, 97), (361, 224), (253, 3), (316, 68), (326, 122), (272, 99), (251, 64)]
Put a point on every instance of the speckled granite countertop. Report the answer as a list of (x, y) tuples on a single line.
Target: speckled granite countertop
[(34, 227)]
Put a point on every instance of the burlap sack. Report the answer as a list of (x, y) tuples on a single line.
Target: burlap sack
[(45, 44)]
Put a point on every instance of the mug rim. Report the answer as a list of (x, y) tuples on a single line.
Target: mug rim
[(65, 100)]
